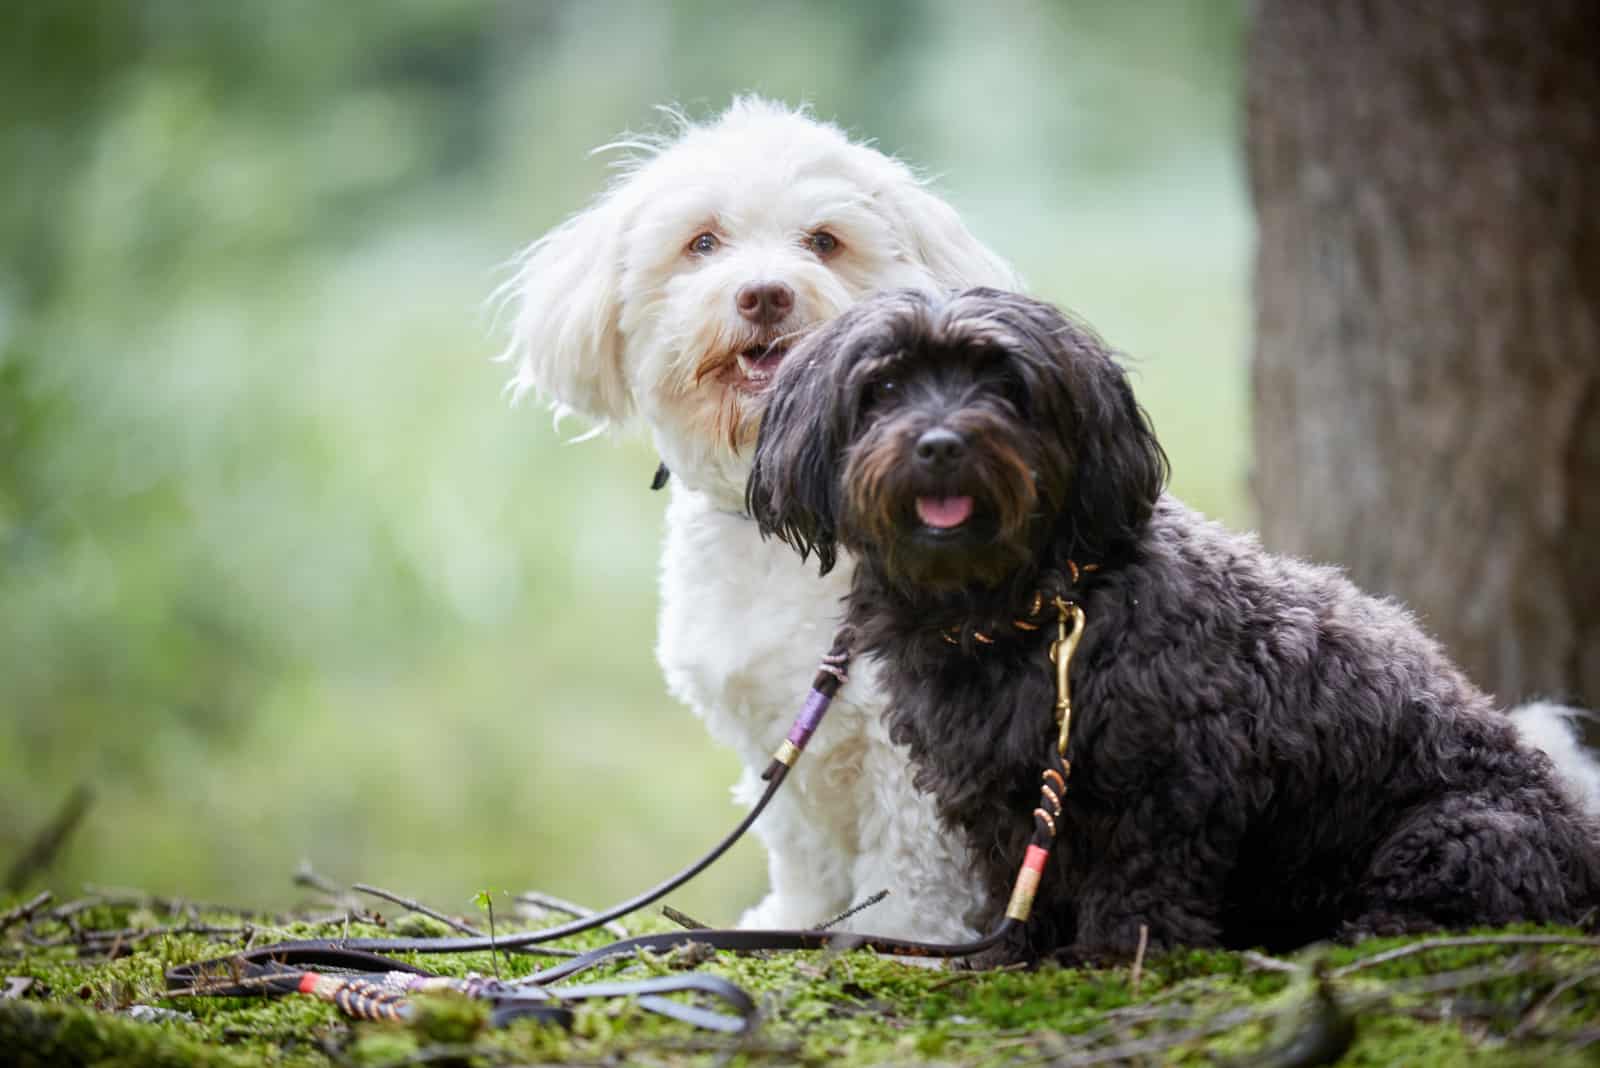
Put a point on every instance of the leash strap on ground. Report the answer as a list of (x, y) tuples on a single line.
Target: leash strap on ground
[(367, 984)]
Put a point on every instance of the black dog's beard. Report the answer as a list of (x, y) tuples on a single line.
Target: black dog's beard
[(882, 483)]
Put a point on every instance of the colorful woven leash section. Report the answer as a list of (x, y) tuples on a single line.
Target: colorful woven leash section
[(382, 989)]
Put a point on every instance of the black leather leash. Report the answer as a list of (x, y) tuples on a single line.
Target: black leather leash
[(356, 975)]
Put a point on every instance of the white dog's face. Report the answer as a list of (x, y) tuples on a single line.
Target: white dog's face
[(674, 297)]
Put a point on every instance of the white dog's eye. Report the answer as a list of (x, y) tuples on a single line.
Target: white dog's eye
[(823, 243), (704, 244)]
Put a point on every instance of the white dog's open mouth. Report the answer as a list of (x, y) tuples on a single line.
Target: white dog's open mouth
[(758, 362)]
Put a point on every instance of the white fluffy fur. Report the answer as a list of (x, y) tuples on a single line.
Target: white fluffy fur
[(1550, 727), (615, 316)]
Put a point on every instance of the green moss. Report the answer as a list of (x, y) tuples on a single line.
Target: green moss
[(62, 1036), (817, 1009), (447, 1018)]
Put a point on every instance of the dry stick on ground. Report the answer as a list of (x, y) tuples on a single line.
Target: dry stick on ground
[(1137, 972), (1263, 963), (25, 910), (48, 842), (415, 906), (305, 875), (967, 977), (1539, 1008), (852, 910), (683, 919), (97, 941), (1153, 1044), (1120, 1020), (128, 896), (1444, 982), (1459, 942), (556, 904), (464, 928)]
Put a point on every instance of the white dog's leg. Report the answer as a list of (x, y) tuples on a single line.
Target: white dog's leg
[(925, 866), (808, 865)]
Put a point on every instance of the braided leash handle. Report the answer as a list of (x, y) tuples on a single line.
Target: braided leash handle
[(1053, 785), (1052, 790)]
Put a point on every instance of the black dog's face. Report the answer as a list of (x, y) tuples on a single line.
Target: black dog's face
[(952, 442), (943, 479)]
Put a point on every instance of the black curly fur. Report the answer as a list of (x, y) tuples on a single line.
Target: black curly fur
[(1262, 755)]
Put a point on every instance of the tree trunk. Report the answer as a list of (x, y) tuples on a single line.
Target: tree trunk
[(1427, 360)]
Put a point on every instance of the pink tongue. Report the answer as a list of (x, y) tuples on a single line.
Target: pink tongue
[(944, 512)]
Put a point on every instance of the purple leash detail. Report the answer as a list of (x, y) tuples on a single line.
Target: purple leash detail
[(830, 677)]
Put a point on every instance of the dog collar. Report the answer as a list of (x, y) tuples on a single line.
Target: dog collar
[(1026, 623)]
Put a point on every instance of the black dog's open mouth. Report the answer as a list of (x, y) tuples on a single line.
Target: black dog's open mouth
[(950, 521), (942, 514)]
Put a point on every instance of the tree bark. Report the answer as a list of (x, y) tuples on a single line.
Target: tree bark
[(1427, 358)]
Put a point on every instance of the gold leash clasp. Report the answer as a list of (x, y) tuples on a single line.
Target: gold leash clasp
[(1061, 651)]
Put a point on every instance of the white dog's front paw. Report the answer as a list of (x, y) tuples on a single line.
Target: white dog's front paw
[(785, 913)]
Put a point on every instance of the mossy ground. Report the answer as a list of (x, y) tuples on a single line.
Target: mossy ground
[(1490, 1003)]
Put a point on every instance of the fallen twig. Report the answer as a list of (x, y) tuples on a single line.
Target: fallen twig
[(682, 919), (852, 910), (132, 897), (1444, 982), (1137, 972), (25, 910), (305, 875), (963, 977), (1263, 963), (1458, 942), (1143, 1047), (1540, 1007), (415, 906), (99, 940), (551, 903)]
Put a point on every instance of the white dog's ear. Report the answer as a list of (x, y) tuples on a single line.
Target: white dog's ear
[(566, 341), (937, 239)]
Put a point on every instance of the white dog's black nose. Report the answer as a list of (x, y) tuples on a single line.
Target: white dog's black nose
[(764, 303), (939, 448)]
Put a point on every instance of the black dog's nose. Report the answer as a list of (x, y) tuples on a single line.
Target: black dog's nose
[(764, 303), (940, 447)]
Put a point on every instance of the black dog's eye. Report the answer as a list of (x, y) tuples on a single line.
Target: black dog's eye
[(823, 243), (1016, 392), (704, 244), (881, 390)]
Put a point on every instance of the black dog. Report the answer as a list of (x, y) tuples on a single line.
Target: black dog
[(1261, 754)]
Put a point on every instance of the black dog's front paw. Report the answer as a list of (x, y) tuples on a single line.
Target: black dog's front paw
[(1013, 950), (1078, 956)]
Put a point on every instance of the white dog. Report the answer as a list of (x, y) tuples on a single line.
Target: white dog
[(669, 302)]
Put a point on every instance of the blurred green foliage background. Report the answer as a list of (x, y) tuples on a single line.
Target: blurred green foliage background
[(283, 575)]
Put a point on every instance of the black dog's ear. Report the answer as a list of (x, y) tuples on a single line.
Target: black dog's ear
[(793, 490), (1120, 468), (1116, 467)]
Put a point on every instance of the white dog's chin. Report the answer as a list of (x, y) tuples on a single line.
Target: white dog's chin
[(630, 312)]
